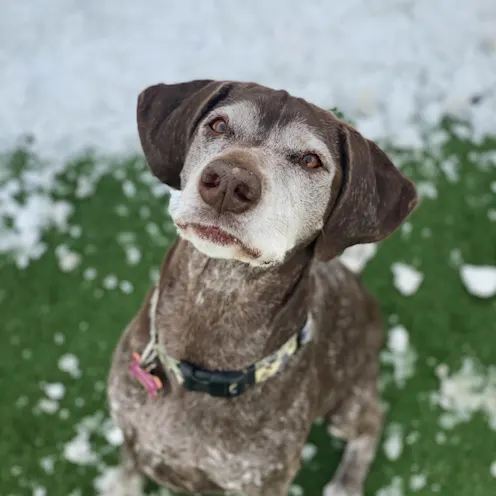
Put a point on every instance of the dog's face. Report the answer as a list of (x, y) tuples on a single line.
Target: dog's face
[(255, 182), (257, 172)]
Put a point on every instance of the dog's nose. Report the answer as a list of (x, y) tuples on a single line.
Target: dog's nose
[(230, 187)]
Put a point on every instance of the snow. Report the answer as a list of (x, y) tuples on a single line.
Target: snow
[(407, 280), (126, 287), (463, 393), (70, 363), (55, 391), (393, 442), (308, 452), (47, 463), (67, 259), (110, 282), (426, 189), (394, 489), (356, 257), (79, 450), (399, 65), (400, 355), (49, 406), (133, 255), (296, 490), (479, 280), (418, 482), (114, 435), (111, 481)]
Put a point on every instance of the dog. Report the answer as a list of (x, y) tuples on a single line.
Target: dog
[(254, 329)]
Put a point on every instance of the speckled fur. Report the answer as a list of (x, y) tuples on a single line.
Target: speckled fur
[(228, 313)]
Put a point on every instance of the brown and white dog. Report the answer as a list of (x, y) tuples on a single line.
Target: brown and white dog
[(267, 190)]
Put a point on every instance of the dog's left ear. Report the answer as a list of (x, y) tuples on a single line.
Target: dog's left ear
[(168, 115), (374, 200)]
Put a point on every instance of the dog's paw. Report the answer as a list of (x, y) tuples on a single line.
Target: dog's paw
[(334, 489)]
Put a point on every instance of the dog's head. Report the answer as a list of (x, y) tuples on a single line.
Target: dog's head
[(257, 172)]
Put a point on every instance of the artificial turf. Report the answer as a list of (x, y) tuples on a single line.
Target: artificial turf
[(46, 313)]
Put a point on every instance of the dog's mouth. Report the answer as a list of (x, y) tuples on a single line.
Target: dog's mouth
[(218, 236)]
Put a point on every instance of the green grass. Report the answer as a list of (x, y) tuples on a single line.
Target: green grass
[(41, 304)]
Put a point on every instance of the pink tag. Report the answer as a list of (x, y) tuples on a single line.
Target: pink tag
[(150, 382)]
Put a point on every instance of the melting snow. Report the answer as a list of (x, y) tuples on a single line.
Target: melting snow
[(308, 452), (126, 287), (47, 463), (54, 391), (68, 260), (418, 482), (295, 490), (431, 68), (133, 255), (426, 189), (393, 443), (70, 363), (110, 282), (79, 450), (394, 489), (356, 257), (114, 435), (46, 405), (480, 280), (465, 392), (406, 279), (90, 274), (400, 354)]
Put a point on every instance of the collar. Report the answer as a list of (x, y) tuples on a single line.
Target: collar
[(149, 367)]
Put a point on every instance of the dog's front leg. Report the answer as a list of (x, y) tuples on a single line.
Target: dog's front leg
[(360, 423)]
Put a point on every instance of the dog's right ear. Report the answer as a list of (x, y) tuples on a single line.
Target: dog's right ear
[(168, 115)]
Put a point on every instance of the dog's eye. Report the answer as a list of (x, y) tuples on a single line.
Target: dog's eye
[(218, 125), (311, 161)]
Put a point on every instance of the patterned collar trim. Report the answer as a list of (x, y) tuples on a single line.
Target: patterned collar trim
[(149, 367)]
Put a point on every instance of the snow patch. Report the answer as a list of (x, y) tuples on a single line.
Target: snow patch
[(465, 392), (70, 363), (46, 405), (308, 452), (394, 489), (79, 450), (479, 280), (114, 435), (406, 279), (55, 391), (355, 258), (418, 482), (68, 260), (400, 355), (393, 443), (47, 463)]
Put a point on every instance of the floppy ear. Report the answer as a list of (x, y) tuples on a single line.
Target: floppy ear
[(374, 200), (167, 117)]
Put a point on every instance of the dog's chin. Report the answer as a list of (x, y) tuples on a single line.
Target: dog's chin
[(219, 251)]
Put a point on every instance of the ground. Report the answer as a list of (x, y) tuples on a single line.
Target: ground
[(62, 313)]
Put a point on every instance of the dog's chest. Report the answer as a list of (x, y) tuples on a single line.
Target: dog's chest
[(187, 447)]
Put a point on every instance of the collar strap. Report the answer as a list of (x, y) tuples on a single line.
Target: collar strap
[(225, 384)]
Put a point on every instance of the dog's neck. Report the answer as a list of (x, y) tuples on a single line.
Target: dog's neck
[(223, 314)]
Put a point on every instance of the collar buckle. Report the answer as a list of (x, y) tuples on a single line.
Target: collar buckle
[(227, 384)]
